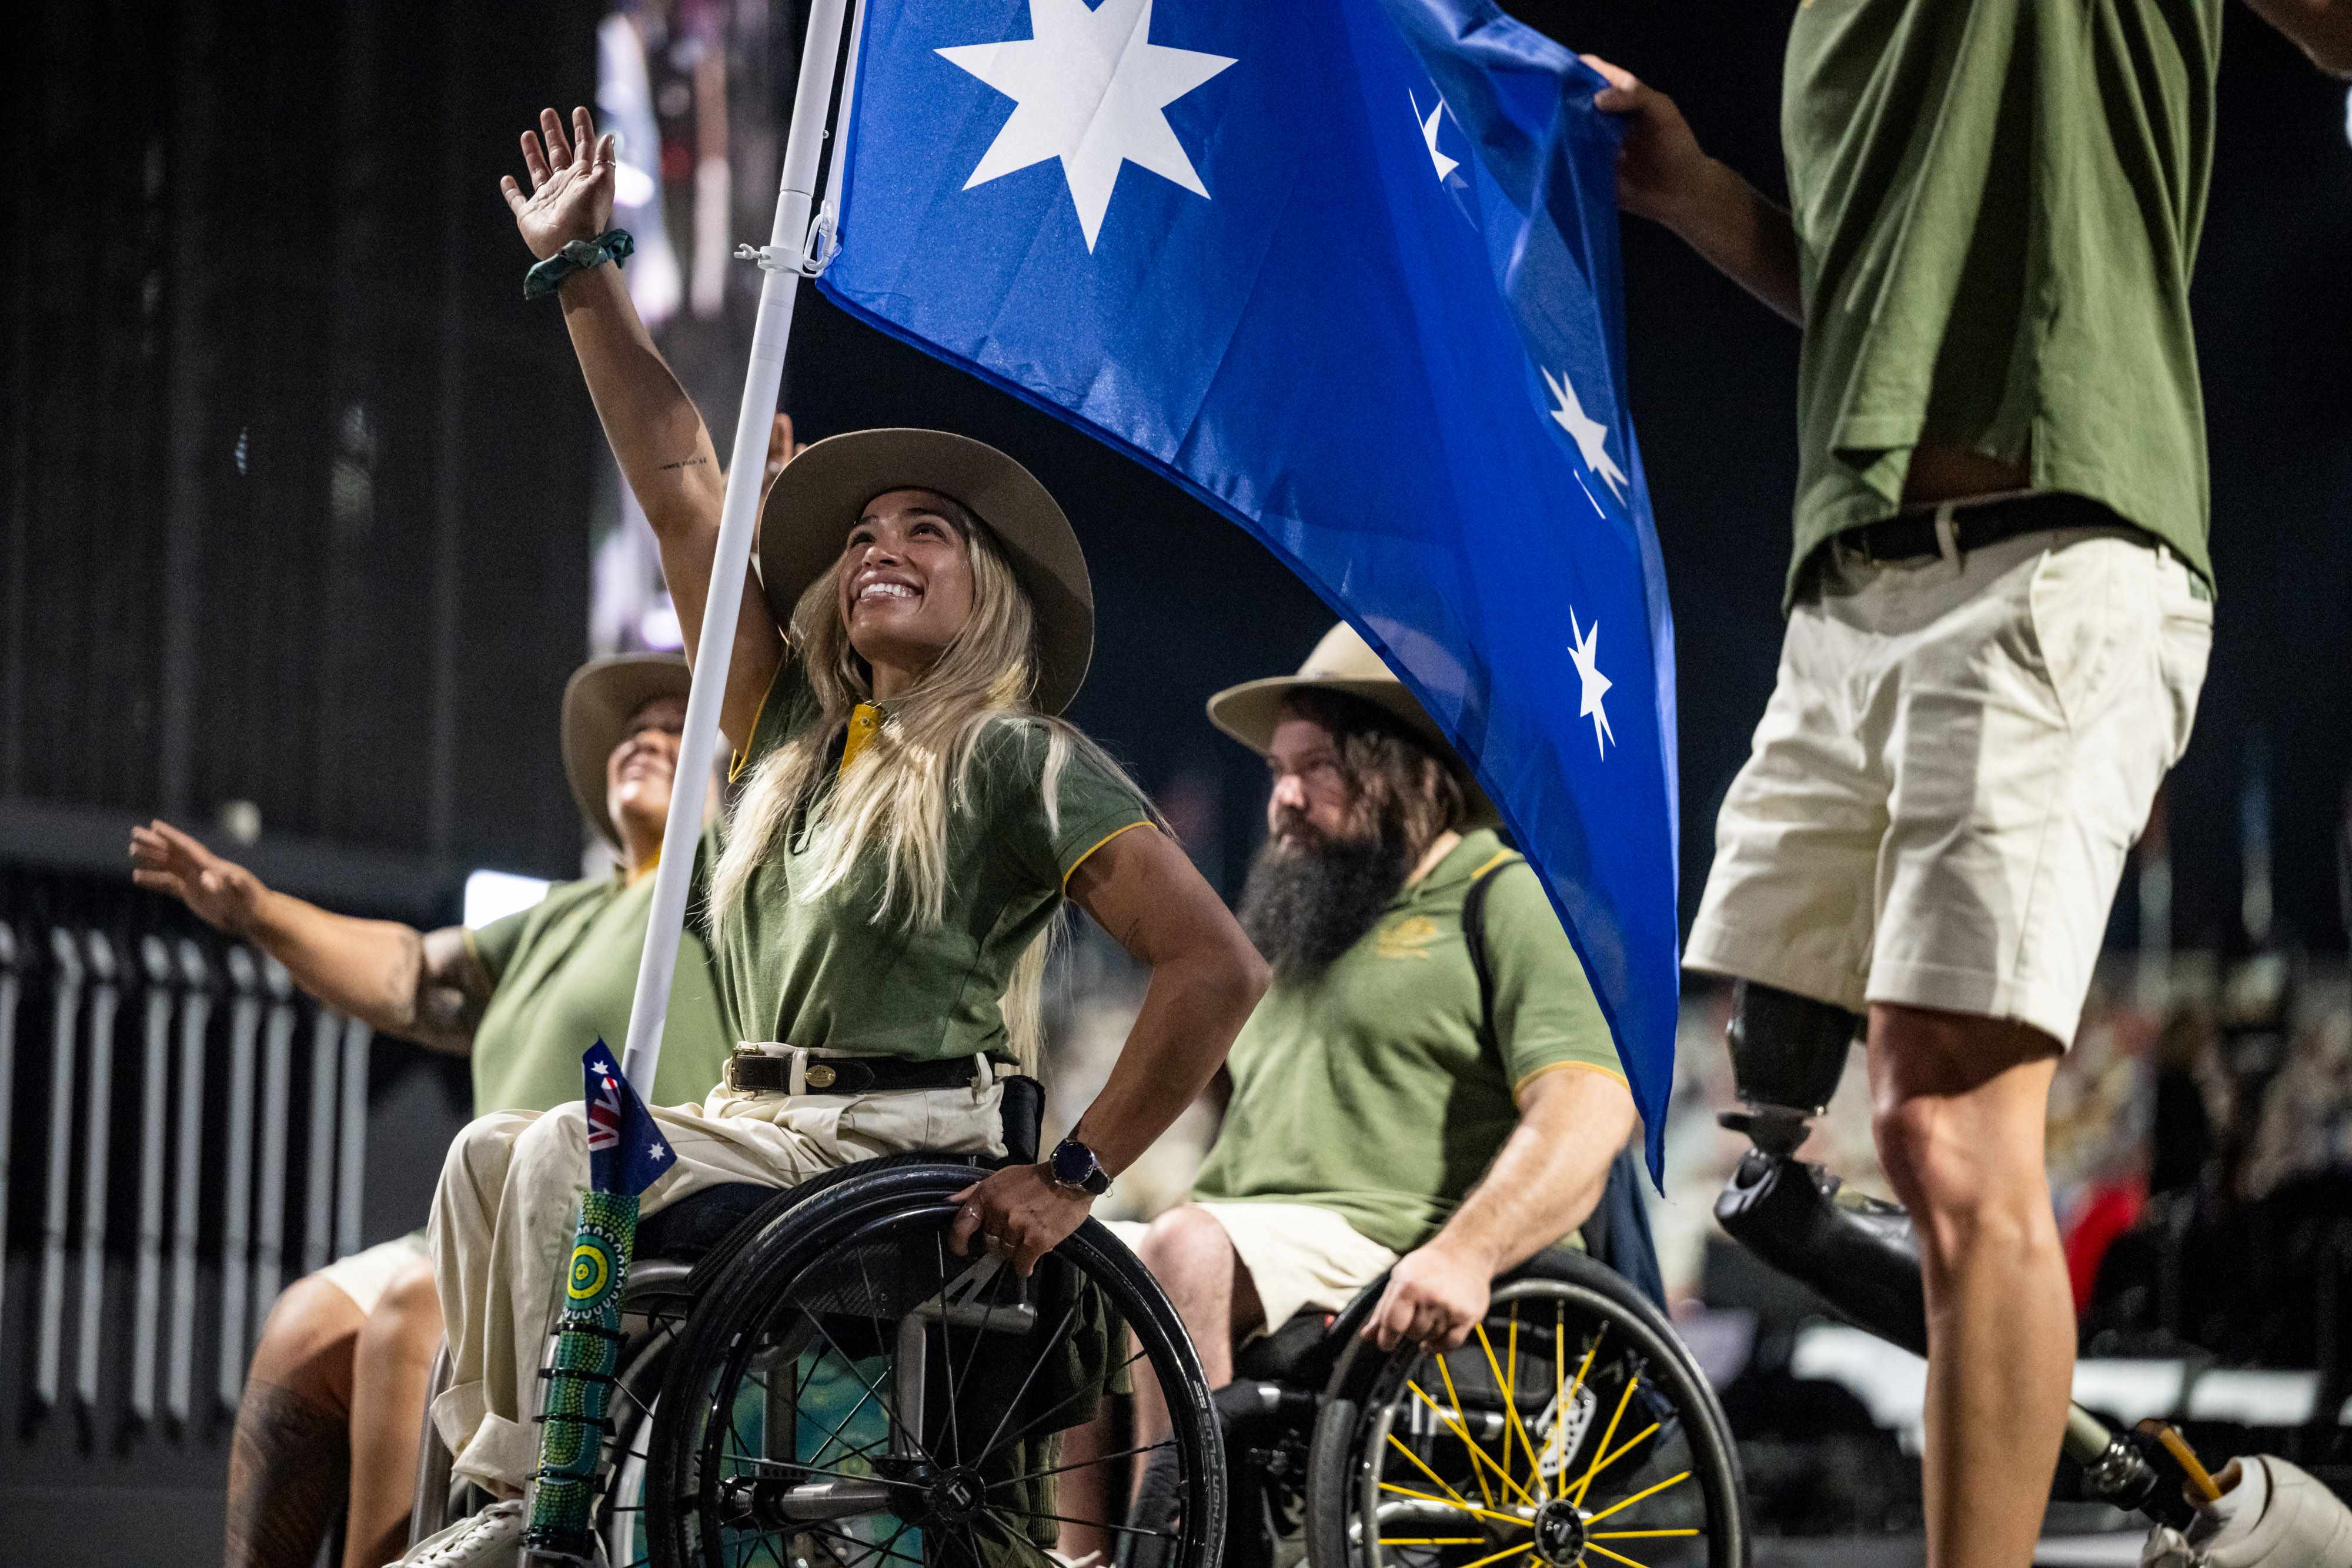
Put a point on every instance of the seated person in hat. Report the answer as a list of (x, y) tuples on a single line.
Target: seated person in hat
[(1369, 1128), (336, 1391), (914, 817)]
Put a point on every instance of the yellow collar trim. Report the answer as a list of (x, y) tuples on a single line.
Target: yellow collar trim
[(865, 721), (631, 878)]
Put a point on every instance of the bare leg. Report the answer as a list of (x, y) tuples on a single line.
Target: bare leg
[(1195, 1262), (292, 1452), (393, 1364), (1959, 1103)]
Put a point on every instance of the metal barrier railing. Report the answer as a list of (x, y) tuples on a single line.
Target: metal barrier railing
[(177, 1105)]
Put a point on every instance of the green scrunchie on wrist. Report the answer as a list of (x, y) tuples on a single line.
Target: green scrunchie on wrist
[(614, 246)]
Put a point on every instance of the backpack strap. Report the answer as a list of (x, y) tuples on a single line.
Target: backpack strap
[(1473, 937)]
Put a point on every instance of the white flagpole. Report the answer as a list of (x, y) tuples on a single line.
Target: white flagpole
[(798, 246)]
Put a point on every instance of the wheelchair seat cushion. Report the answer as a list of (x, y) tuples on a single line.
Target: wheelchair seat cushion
[(700, 1221), (1299, 1355)]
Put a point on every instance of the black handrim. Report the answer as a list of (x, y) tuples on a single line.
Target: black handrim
[(770, 1336)]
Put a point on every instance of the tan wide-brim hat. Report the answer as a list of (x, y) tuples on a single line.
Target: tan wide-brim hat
[(812, 504), (1343, 663), (599, 700)]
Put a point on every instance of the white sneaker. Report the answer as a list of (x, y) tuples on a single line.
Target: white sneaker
[(490, 1539)]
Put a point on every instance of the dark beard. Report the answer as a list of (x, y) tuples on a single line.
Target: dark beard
[(1304, 907)]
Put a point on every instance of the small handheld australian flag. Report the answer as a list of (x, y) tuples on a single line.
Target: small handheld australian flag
[(626, 1154)]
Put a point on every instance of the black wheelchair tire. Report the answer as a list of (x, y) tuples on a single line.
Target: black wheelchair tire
[(1339, 1427), (733, 1303)]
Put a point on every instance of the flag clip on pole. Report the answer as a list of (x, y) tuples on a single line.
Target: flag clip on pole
[(625, 1151)]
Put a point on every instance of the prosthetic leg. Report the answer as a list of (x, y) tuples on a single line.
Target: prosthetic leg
[(1859, 1253), (1787, 1053)]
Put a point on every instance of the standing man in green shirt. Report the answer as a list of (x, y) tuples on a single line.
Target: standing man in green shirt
[(1999, 608), (335, 1397), (1369, 1127)]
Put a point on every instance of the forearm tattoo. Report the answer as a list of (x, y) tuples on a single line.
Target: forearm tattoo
[(290, 1464), (687, 463)]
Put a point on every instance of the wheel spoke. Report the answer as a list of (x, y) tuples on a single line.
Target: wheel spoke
[(1497, 1556), (1002, 1514), (1461, 1428), (1614, 1556), (1510, 1519), (1083, 1464), (914, 1439), (1624, 1502), (1584, 1482), (1510, 1404), (1454, 1426), (1052, 1343), (1637, 1534), (1623, 1449)]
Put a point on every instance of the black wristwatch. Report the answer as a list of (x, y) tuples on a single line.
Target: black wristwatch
[(1072, 1165)]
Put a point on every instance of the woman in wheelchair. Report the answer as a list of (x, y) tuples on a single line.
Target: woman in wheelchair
[(914, 817)]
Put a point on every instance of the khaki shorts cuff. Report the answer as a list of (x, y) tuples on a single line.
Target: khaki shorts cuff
[(1977, 994), (1720, 949)]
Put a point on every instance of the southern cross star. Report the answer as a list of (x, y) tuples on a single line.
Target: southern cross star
[(1088, 87), (1429, 135), (1591, 436), (1584, 651)]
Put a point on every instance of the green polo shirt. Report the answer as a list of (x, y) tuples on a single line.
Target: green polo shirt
[(1364, 1088), (1997, 204), (831, 972), (564, 973)]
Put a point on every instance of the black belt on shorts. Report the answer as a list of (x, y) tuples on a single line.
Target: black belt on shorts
[(849, 1074), (1911, 535)]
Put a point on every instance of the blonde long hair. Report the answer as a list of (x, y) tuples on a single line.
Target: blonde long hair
[(914, 775)]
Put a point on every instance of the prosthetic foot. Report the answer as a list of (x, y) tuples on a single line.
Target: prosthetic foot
[(2271, 1513), (1787, 1054)]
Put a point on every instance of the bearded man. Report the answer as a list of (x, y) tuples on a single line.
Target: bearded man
[(1392, 1110)]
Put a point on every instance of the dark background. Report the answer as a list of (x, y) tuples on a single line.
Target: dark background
[(296, 498), (297, 489)]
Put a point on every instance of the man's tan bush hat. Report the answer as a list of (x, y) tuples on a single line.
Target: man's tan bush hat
[(812, 504), (599, 700), (1343, 663)]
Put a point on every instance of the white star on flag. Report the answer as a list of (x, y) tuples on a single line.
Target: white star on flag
[(1089, 89), (1583, 651), (1429, 135), (1591, 436)]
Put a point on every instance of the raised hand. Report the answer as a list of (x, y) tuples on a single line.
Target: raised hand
[(1660, 169), (221, 893), (571, 183)]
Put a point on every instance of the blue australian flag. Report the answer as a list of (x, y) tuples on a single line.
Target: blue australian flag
[(625, 1151), (1347, 270)]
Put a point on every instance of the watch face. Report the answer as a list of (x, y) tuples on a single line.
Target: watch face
[(1072, 1162)]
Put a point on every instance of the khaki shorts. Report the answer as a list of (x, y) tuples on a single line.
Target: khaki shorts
[(1300, 1258), (1958, 756), (364, 1275)]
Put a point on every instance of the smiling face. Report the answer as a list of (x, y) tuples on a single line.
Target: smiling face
[(640, 771), (904, 583)]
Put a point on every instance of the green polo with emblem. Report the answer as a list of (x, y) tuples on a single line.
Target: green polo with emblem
[(1364, 1088), (832, 972), (1997, 205), (564, 974)]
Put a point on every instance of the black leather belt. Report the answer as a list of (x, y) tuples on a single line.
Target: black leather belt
[(849, 1074), (1911, 535)]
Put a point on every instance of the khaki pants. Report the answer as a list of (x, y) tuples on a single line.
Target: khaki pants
[(504, 1212)]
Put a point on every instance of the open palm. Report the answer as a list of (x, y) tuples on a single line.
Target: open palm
[(571, 183)]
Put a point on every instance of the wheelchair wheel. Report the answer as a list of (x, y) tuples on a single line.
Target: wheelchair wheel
[(1572, 1431), (621, 1513), (850, 1394)]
